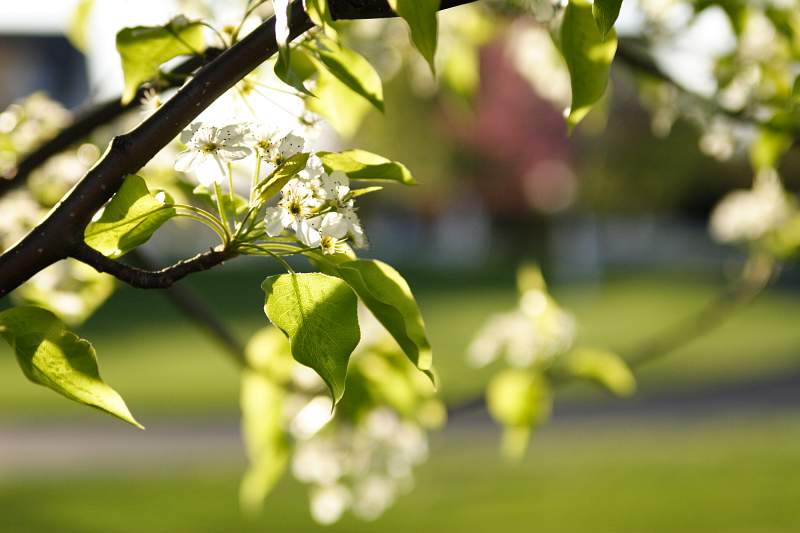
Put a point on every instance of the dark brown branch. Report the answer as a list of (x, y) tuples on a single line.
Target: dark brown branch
[(61, 233), (150, 279), (90, 119)]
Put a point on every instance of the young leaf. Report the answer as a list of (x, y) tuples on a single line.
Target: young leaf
[(384, 291), (337, 103), (319, 12), (605, 13), (588, 56), (296, 71), (281, 9), (262, 402), (768, 147), (361, 165), (606, 368), (78, 28), (318, 315), (54, 357), (281, 176), (353, 70), (518, 400), (144, 48), (129, 219), (421, 18)]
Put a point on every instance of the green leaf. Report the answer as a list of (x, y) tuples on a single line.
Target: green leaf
[(77, 30), (268, 353), (361, 165), (143, 49), (768, 147), (318, 315), (384, 291), (353, 70), (606, 368), (295, 72), (262, 402), (605, 14), (129, 219), (421, 18), (54, 357), (319, 12), (281, 176), (337, 103), (281, 9), (518, 400), (588, 56), (355, 193)]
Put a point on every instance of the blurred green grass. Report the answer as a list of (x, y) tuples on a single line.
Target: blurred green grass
[(165, 367), (724, 474)]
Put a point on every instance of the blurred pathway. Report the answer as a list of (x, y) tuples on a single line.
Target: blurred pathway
[(44, 448)]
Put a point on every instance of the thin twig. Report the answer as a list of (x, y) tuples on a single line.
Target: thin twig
[(150, 279)]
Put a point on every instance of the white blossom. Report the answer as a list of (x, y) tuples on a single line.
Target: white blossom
[(209, 149), (329, 503), (748, 215), (532, 334), (296, 206)]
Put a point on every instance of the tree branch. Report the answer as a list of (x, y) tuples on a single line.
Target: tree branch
[(60, 235), (150, 279), (631, 55)]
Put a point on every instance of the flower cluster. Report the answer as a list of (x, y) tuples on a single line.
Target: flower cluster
[(362, 467), (315, 207), (26, 124), (745, 216), (318, 207), (70, 289), (531, 335), (358, 456)]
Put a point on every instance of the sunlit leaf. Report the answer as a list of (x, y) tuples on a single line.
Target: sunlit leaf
[(365, 166), (421, 18), (337, 103), (605, 14), (317, 313), (606, 368), (768, 147), (56, 358), (319, 12), (129, 219), (281, 10), (297, 71), (519, 400), (353, 70), (262, 402), (78, 29), (384, 291), (143, 49), (588, 56), (281, 176)]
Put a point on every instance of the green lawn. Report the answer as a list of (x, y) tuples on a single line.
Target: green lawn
[(726, 475), (165, 367), (691, 474)]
